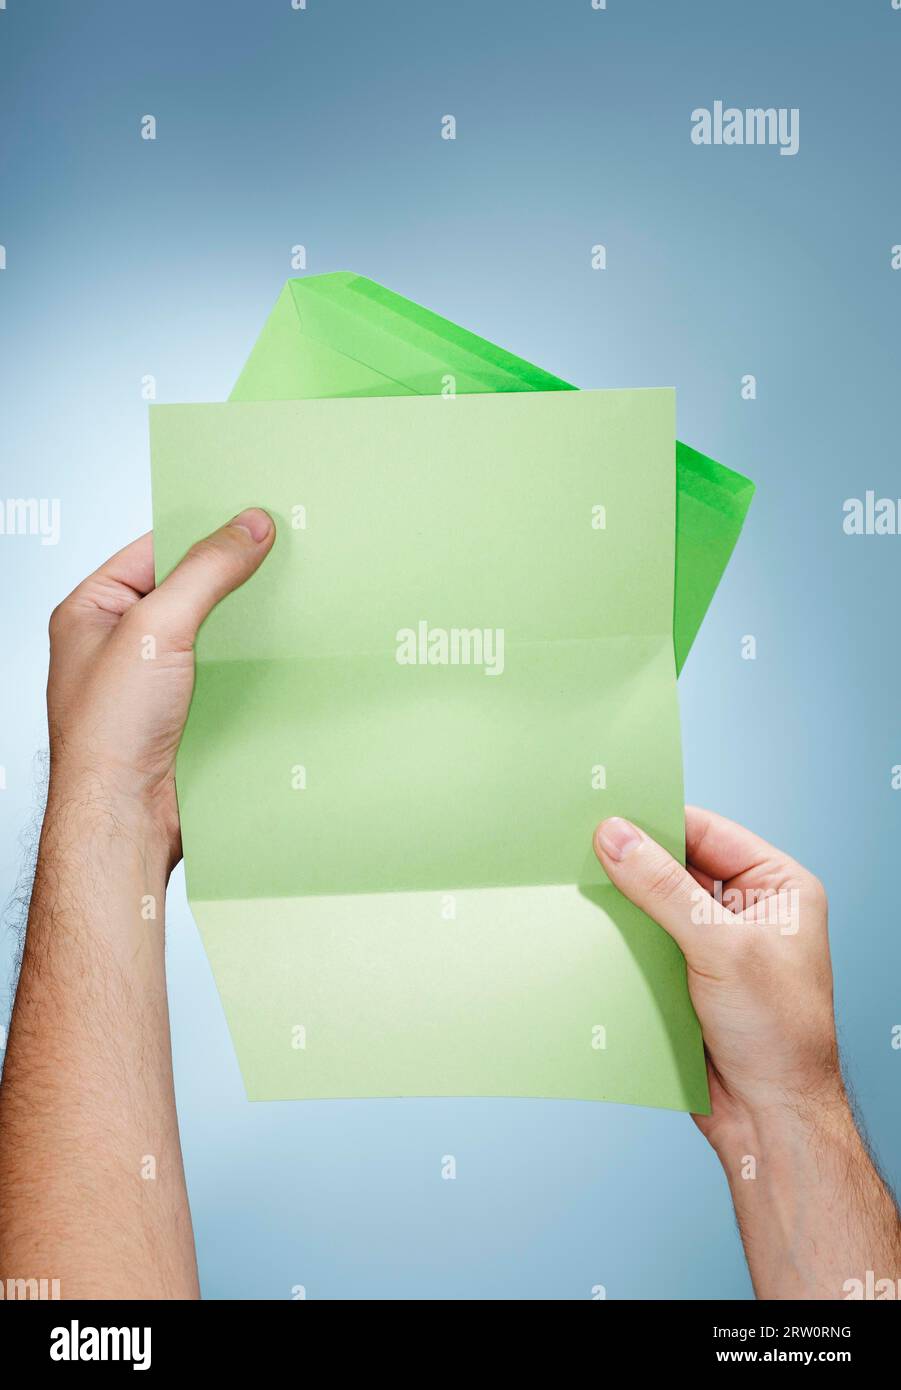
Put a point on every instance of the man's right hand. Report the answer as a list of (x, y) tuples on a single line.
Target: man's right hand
[(752, 924)]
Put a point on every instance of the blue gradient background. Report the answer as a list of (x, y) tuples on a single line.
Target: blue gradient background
[(127, 257)]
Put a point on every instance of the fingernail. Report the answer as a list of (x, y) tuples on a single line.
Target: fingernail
[(256, 523), (617, 837)]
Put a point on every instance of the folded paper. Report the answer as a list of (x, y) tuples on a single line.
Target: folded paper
[(456, 661)]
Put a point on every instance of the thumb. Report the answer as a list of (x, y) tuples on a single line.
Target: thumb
[(211, 569), (654, 881)]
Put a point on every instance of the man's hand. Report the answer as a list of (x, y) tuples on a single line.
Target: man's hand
[(122, 671), (92, 1190), (752, 924), (762, 989)]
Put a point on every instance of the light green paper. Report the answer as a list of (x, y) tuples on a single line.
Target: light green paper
[(426, 907), (344, 335)]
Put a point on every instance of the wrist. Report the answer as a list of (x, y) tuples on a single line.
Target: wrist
[(810, 1205), (781, 1128), (88, 813)]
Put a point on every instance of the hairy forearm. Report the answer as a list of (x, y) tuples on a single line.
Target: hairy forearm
[(812, 1209), (92, 1188)]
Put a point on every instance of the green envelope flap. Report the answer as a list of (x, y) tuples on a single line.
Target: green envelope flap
[(344, 335)]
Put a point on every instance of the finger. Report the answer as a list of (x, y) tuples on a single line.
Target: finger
[(705, 880), (212, 568), (117, 585), (132, 566), (653, 880), (720, 848)]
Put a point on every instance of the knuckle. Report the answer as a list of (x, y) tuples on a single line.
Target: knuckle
[(666, 879), (60, 619), (209, 551), (751, 944), (819, 898), (179, 644)]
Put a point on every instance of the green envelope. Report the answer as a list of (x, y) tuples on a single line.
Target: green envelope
[(337, 969), (344, 335), (456, 661)]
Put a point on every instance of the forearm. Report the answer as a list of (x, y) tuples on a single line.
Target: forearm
[(812, 1209), (91, 1182)]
